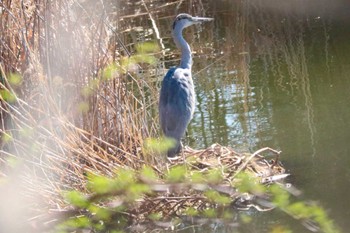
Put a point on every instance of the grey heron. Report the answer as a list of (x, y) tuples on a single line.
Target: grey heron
[(177, 96)]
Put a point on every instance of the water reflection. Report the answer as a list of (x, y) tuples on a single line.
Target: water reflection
[(269, 75)]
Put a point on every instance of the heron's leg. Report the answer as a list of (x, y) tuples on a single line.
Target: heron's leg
[(171, 153), (175, 150)]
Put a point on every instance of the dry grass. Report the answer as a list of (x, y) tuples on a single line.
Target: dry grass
[(62, 118)]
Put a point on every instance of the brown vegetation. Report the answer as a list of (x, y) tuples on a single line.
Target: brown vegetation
[(60, 116)]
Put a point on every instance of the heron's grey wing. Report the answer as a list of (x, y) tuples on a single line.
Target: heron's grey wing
[(176, 102), (163, 98)]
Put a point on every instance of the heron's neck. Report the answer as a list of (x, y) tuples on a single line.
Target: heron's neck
[(186, 57)]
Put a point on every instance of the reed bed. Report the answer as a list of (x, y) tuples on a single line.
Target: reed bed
[(173, 199), (60, 118)]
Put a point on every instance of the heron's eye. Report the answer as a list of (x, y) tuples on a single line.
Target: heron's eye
[(181, 17)]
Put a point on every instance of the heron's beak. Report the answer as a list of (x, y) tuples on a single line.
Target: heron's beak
[(201, 19)]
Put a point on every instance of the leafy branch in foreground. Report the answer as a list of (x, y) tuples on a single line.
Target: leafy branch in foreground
[(312, 216), (185, 190)]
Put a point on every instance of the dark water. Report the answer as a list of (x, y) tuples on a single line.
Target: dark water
[(275, 75), (297, 101)]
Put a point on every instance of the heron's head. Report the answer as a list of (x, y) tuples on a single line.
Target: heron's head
[(185, 20)]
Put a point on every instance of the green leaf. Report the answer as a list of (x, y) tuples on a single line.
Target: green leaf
[(100, 212), (128, 64), (190, 211), (143, 58), (27, 132), (135, 191), (280, 196), (298, 210), (209, 213), (197, 177), (83, 107), (247, 183), (158, 146), (14, 79), (176, 174), (100, 184), (147, 47), (155, 216), (78, 222), (125, 178), (93, 85), (13, 161), (77, 199), (111, 72), (148, 174), (7, 96), (6, 137), (214, 176), (86, 91), (215, 197)]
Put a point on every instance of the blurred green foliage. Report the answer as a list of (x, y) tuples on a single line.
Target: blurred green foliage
[(7, 96), (301, 210), (6, 137), (128, 187), (247, 183), (158, 146), (83, 107), (14, 79), (77, 199), (144, 54), (148, 174), (176, 174), (214, 176), (217, 198)]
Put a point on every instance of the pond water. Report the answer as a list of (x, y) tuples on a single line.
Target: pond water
[(274, 75)]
